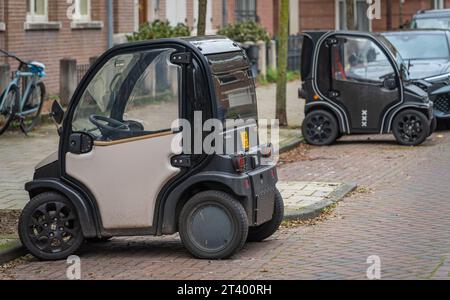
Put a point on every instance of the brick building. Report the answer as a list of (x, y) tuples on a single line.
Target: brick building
[(41, 29)]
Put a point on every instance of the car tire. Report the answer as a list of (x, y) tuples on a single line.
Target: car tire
[(320, 128), (411, 127), (266, 230), (213, 225), (49, 227)]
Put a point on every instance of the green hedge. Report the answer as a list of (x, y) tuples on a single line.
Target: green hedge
[(159, 29), (248, 31)]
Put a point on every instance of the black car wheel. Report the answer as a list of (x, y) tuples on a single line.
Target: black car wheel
[(49, 227), (213, 225), (320, 128), (411, 127), (264, 231)]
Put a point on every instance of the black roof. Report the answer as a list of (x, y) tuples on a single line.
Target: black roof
[(212, 44)]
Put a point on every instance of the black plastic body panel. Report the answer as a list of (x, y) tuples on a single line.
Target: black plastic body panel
[(255, 190)]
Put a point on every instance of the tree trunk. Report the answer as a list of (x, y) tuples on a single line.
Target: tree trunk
[(201, 23), (350, 14), (283, 24)]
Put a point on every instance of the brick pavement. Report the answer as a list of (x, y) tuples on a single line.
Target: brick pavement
[(403, 217)]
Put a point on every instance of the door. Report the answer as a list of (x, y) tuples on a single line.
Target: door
[(143, 9), (130, 108), (209, 26), (176, 11), (359, 72)]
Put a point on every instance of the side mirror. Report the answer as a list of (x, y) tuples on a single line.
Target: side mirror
[(390, 83), (57, 112)]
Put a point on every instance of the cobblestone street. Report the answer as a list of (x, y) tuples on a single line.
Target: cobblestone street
[(399, 213)]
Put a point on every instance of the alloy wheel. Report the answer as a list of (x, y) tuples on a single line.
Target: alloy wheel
[(53, 227)]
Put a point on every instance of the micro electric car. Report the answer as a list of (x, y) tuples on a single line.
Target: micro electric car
[(357, 83), (122, 168)]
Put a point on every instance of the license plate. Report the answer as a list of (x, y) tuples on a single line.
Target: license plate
[(244, 140)]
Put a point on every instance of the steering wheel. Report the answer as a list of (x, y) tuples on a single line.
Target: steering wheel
[(108, 126)]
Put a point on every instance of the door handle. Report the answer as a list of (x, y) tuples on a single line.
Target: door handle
[(181, 161)]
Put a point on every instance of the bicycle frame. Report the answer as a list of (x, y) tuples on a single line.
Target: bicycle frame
[(18, 75)]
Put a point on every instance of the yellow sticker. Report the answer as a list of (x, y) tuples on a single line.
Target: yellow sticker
[(244, 140)]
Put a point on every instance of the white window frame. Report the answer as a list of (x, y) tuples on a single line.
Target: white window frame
[(337, 15), (438, 4), (32, 17), (77, 16)]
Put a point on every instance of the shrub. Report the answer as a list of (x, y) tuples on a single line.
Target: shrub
[(248, 31), (159, 29)]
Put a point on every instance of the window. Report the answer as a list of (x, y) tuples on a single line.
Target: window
[(360, 60), (82, 10), (245, 10), (438, 4), (417, 45), (361, 20), (37, 10), (140, 90)]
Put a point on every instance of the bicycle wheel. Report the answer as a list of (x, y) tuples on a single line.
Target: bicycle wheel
[(32, 107), (8, 108)]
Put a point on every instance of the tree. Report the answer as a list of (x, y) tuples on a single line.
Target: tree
[(201, 23), (283, 24), (350, 14)]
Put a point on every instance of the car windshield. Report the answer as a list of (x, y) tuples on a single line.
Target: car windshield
[(431, 23), (402, 66), (417, 45)]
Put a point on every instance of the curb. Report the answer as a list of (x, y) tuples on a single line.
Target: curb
[(313, 211), (16, 251), (291, 145)]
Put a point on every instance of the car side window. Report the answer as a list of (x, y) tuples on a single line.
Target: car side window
[(133, 94), (360, 60)]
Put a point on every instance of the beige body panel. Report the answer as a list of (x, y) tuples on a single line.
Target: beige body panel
[(126, 178)]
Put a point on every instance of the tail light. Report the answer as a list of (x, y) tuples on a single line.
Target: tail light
[(239, 162), (266, 151)]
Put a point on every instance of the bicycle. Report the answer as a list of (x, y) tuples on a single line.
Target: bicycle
[(25, 108)]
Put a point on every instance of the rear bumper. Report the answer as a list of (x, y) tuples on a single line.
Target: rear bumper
[(263, 182)]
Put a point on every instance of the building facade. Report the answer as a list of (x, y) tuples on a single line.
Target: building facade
[(49, 30)]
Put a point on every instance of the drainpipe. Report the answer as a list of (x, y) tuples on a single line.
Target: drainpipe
[(110, 23), (224, 12)]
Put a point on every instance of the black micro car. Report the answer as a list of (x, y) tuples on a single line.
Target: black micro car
[(427, 53), (357, 83), (125, 168)]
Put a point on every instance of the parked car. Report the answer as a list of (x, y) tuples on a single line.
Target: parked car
[(431, 19), (356, 82), (124, 168), (427, 53)]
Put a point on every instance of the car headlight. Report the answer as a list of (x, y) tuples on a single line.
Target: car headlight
[(442, 77)]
